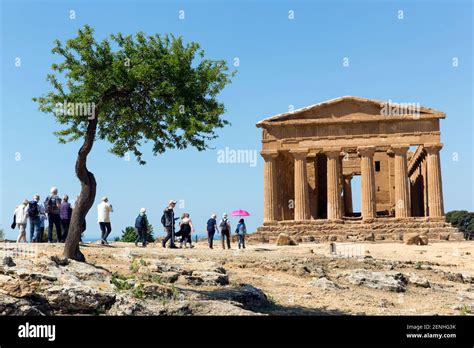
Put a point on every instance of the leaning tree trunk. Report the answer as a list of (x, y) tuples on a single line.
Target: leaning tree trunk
[(86, 197)]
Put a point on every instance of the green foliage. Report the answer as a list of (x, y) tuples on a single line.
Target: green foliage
[(144, 89), (134, 266), (137, 291), (129, 235), (120, 282), (137, 262), (464, 311), (2, 234), (44, 237), (174, 292), (462, 219), (156, 278)]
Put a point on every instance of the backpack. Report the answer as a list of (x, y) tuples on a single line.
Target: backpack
[(49, 205), (224, 225), (139, 221), (33, 210), (163, 220)]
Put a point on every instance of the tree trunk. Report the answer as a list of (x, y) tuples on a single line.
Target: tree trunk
[(86, 197)]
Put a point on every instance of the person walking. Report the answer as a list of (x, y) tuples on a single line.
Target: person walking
[(211, 230), (43, 218), (241, 231), (186, 228), (65, 213), (225, 231), (33, 212), (168, 220), (104, 209), (21, 218), (141, 227), (52, 206)]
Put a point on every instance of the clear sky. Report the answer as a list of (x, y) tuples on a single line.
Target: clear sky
[(283, 61)]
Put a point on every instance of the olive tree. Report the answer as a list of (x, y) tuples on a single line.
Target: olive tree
[(127, 91)]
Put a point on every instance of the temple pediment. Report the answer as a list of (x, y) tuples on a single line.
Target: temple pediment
[(352, 109)]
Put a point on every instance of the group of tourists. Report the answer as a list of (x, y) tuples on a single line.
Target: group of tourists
[(186, 228), (58, 212), (225, 230)]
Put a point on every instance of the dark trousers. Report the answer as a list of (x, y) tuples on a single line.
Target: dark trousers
[(169, 236), (141, 235), (187, 238), (65, 226), (40, 235), (210, 237), (225, 235), (105, 228), (185, 233), (54, 220), (241, 239)]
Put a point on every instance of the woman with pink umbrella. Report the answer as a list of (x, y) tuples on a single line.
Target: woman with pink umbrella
[(241, 230)]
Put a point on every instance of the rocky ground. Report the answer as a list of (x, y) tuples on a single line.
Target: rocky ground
[(370, 278)]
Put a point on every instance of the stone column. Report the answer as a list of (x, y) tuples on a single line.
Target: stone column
[(333, 184), (270, 199), (301, 185), (347, 193), (402, 193), (425, 188), (435, 189), (367, 181), (313, 185)]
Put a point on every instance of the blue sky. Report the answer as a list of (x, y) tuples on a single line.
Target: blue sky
[(282, 62)]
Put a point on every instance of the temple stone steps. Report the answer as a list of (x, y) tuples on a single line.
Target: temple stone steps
[(343, 230)]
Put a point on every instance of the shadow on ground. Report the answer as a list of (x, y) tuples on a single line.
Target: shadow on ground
[(255, 300)]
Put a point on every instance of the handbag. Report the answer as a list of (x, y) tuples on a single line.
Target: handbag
[(14, 222)]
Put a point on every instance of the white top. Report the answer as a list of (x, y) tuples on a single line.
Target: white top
[(21, 215), (103, 211), (42, 211)]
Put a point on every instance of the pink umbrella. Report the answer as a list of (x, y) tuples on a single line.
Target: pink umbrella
[(240, 212)]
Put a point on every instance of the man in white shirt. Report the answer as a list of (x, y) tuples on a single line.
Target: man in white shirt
[(103, 211)]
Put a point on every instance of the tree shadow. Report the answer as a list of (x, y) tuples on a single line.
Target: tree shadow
[(260, 304)]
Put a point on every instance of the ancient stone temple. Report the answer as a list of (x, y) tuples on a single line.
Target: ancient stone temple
[(311, 156)]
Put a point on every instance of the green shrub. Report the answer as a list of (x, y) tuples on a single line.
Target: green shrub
[(44, 237), (462, 219), (129, 235)]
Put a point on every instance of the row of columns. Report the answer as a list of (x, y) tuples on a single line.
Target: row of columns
[(335, 184)]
